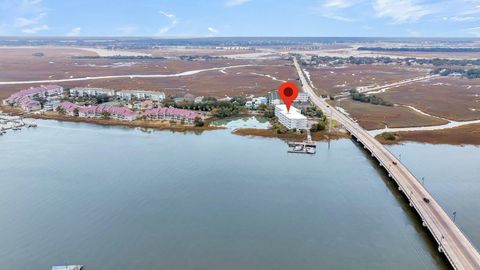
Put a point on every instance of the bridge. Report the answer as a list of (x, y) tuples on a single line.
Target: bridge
[(451, 241)]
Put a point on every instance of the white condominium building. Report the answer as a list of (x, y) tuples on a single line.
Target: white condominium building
[(302, 97), (291, 120), (91, 92)]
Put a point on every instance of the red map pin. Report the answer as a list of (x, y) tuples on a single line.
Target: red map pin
[(288, 92)]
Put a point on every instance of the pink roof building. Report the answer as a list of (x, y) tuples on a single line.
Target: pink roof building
[(171, 114), (24, 98)]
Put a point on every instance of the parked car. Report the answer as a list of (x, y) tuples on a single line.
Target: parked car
[(394, 162), (426, 200)]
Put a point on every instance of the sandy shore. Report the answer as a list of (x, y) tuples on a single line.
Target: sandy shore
[(268, 133)]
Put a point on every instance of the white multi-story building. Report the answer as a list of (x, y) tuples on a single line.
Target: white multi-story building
[(140, 94), (292, 119), (91, 92), (302, 97)]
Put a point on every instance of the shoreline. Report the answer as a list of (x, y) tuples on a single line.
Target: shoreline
[(463, 135), (270, 133), (159, 124)]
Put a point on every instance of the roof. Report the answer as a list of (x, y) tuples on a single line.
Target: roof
[(32, 91), (172, 111), (294, 113)]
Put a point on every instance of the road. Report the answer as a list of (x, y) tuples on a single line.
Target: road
[(383, 88), (452, 242), (131, 76)]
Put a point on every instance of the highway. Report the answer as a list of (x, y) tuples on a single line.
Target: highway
[(451, 241)]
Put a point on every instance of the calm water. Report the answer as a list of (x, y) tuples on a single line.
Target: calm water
[(452, 175), (117, 198), (243, 122)]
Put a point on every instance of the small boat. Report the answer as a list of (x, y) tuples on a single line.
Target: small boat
[(33, 124), (298, 148), (310, 150)]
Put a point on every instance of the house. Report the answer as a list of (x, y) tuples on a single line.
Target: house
[(256, 102), (141, 95), (302, 97), (146, 105), (68, 107), (171, 114), (292, 119), (91, 92), (26, 98), (29, 105), (198, 99), (50, 105)]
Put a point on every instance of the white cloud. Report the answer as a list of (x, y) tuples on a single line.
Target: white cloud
[(167, 28), (474, 31), (335, 9), (233, 3), (460, 18), (337, 17), (402, 11), (23, 22), (168, 15), (338, 3), (74, 32), (212, 30), (35, 29)]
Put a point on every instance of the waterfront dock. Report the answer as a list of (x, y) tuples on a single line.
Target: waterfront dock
[(305, 147), (9, 122)]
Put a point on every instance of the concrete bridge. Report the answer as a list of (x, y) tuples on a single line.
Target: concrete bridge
[(451, 241)]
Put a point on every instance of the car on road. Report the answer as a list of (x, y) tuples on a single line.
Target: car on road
[(426, 200), (394, 162)]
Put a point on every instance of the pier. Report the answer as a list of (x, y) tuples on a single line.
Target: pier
[(306, 147), (9, 122)]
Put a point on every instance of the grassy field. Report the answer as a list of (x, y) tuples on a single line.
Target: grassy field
[(375, 116), (337, 80), (468, 134), (19, 64), (452, 98)]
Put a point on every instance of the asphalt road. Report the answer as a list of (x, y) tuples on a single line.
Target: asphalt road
[(452, 242)]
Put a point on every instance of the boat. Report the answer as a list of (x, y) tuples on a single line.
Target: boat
[(305, 147), (68, 267), (298, 147)]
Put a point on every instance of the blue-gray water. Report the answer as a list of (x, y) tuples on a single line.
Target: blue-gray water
[(119, 198), (452, 175)]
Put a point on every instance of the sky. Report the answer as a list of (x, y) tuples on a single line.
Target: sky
[(203, 18)]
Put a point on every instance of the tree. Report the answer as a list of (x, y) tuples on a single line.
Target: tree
[(168, 102), (269, 112), (319, 126), (60, 110), (75, 112), (102, 98), (105, 114), (240, 100), (389, 136), (198, 122)]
